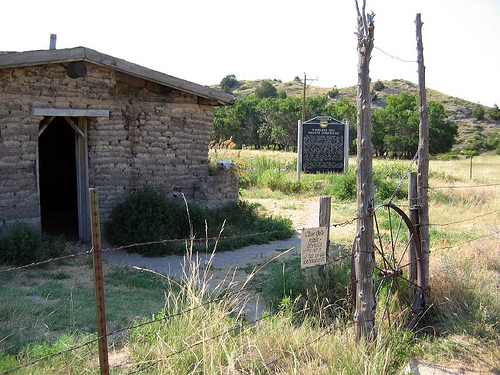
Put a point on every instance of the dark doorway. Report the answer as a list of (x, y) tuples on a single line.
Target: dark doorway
[(57, 178)]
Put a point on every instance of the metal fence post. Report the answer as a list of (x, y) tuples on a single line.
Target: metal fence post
[(98, 282)]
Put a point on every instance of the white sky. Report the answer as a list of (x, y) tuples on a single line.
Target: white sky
[(203, 41)]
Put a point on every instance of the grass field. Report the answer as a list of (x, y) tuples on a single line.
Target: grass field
[(47, 310)]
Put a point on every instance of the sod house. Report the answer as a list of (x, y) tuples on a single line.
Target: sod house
[(74, 119)]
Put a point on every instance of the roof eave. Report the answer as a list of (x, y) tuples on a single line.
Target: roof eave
[(32, 58)]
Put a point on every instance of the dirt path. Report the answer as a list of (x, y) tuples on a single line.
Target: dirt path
[(233, 266), (304, 214)]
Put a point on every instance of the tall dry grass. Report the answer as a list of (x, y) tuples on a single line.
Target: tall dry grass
[(465, 263)]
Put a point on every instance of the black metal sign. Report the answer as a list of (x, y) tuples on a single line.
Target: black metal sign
[(323, 146)]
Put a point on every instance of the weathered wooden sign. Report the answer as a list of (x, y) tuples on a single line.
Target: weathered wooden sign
[(324, 146), (313, 247)]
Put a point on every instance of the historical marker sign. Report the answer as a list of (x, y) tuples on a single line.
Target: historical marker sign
[(313, 247), (324, 143)]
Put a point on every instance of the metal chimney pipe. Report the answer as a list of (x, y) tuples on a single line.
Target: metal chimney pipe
[(53, 40)]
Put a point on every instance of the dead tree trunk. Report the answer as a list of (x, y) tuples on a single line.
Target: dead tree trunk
[(423, 162), (364, 246)]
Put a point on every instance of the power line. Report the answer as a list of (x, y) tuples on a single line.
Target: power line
[(395, 57)]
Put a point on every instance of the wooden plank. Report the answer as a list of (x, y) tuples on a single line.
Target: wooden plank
[(74, 126), (31, 58), (68, 112), (46, 123)]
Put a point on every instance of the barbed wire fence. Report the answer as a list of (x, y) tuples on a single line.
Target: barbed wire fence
[(238, 327), (166, 317)]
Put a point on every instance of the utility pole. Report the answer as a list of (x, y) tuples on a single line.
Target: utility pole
[(304, 100), (304, 96)]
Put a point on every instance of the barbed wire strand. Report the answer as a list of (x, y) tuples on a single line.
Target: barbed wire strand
[(236, 327), (325, 333), (65, 351), (461, 186), (405, 176), (460, 221), (322, 335), (465, 242), (159, 242), (170, 316), (163, 318), (47, 261)]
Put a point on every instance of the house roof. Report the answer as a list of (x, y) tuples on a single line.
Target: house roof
[(55, 56)]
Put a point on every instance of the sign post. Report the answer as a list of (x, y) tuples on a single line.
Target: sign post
[(299, 149)]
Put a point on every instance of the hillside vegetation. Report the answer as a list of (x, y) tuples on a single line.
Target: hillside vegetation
[(475, 132)]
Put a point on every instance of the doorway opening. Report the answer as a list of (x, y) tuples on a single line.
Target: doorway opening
[(57, 166)]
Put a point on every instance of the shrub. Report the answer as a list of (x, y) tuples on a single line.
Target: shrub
[(478, 112), (494, 113), (266, 90), (385, 188), (342, 185), (378, 86), (22, 245), (149, 216), (228, 83), (333, 93), (452, 155)]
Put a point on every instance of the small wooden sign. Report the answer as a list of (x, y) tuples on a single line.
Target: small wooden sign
[(313, 247)]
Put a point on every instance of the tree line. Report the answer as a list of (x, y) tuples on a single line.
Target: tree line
[(271, 122)]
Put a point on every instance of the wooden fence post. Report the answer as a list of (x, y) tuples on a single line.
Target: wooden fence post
[(413, 215), (423, 163), (364, 241), (98, 282), (325, 209)]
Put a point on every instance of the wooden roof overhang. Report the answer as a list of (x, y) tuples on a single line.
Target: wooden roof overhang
[(57, 56)]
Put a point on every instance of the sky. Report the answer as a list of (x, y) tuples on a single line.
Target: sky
[(203, 41)]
